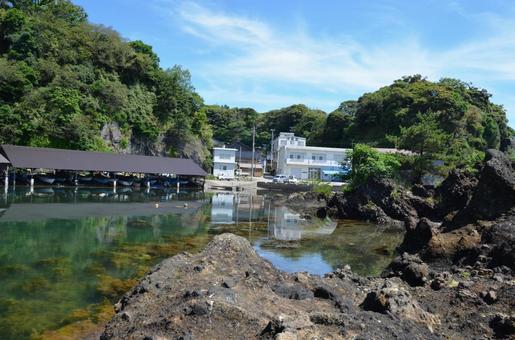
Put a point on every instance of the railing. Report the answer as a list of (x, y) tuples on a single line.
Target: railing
[(326, 162)]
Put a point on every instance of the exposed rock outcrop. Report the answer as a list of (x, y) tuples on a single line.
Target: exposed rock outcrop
[(379, 200), (227, 292), (493, 196)]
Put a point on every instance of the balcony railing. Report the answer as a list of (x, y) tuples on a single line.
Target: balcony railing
[(325, 162)]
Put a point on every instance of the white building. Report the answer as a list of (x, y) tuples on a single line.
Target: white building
[(292, 157), (224, 162)]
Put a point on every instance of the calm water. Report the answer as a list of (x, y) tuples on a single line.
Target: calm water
[(66, 255)]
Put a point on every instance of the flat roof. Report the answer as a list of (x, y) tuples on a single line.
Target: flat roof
[(316, 148), (230, 149), (61, 159)]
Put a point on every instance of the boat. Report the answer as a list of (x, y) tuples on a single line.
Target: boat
[(45, 179), (85, 179), (124, 182), (103, 180)]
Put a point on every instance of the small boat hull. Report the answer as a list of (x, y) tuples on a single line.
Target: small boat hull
[(45, 179)]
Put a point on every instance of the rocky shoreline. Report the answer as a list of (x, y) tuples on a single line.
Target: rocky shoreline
[(453, 279)]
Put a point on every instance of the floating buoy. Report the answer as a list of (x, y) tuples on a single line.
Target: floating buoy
[(185, 205)]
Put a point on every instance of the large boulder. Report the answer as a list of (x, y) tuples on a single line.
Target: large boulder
[(455, 191), (393, 299), (379, 200), (228, 291), (417, 238), (409, 268), (500, 238), (494, 194)]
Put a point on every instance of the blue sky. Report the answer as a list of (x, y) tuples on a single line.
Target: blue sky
[(271, 54)]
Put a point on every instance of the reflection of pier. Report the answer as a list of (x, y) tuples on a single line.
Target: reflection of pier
[(23, 212)]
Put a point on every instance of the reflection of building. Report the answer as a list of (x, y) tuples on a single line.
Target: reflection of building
[(286, 225), (222, 208), (289, 226), (224, 162)]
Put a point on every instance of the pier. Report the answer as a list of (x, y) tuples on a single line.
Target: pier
[(29, 162)]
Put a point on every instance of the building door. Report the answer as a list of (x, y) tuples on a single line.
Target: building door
[(314, 173)]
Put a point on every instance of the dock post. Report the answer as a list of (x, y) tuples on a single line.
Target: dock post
[(31, 181), (14, 179), (178, 184), (75, 179)]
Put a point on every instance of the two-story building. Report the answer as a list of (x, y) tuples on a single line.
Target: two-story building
[(311, 162), (224, 162), (284, 139)]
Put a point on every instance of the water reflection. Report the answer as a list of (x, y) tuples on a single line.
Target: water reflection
[(67, 249), (282, 223)]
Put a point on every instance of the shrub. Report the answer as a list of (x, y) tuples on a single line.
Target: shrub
[(322, 188), (368, 162)]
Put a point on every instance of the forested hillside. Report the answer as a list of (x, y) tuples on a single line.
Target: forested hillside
[(70, 84), (67, 83)]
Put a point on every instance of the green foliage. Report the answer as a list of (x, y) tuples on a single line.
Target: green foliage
[(368, 162), (62, 79), (321, 188), (449, 119), (424, 137)]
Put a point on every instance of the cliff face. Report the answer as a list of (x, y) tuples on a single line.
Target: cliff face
[(185, 147)]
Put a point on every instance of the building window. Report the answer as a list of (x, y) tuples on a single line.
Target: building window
[(224, 167), (321, 158), (298, 156), (313, 157), (224, 156), (291, 156), (283, 142)]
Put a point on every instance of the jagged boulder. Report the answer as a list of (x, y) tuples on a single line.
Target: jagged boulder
[(417, 238), (494, 194), (379, 200), (409, 268), (500, 238), (455, 191), (393, 299)]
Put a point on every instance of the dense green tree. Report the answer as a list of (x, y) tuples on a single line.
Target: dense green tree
[(62, 79)]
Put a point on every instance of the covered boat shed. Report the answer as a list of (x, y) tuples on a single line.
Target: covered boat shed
[(74, 160)]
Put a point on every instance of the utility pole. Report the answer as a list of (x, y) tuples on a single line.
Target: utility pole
[(272, 151), (253, 150)]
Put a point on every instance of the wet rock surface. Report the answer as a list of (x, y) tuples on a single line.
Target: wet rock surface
[(228, 291)]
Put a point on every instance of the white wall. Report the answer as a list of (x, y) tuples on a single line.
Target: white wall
[(224, 155), (227, 169)]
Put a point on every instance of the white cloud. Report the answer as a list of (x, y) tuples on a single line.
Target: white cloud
[(257, 52)]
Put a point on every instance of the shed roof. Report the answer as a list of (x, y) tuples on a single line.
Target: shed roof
[(60, 159), (3, 160)]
